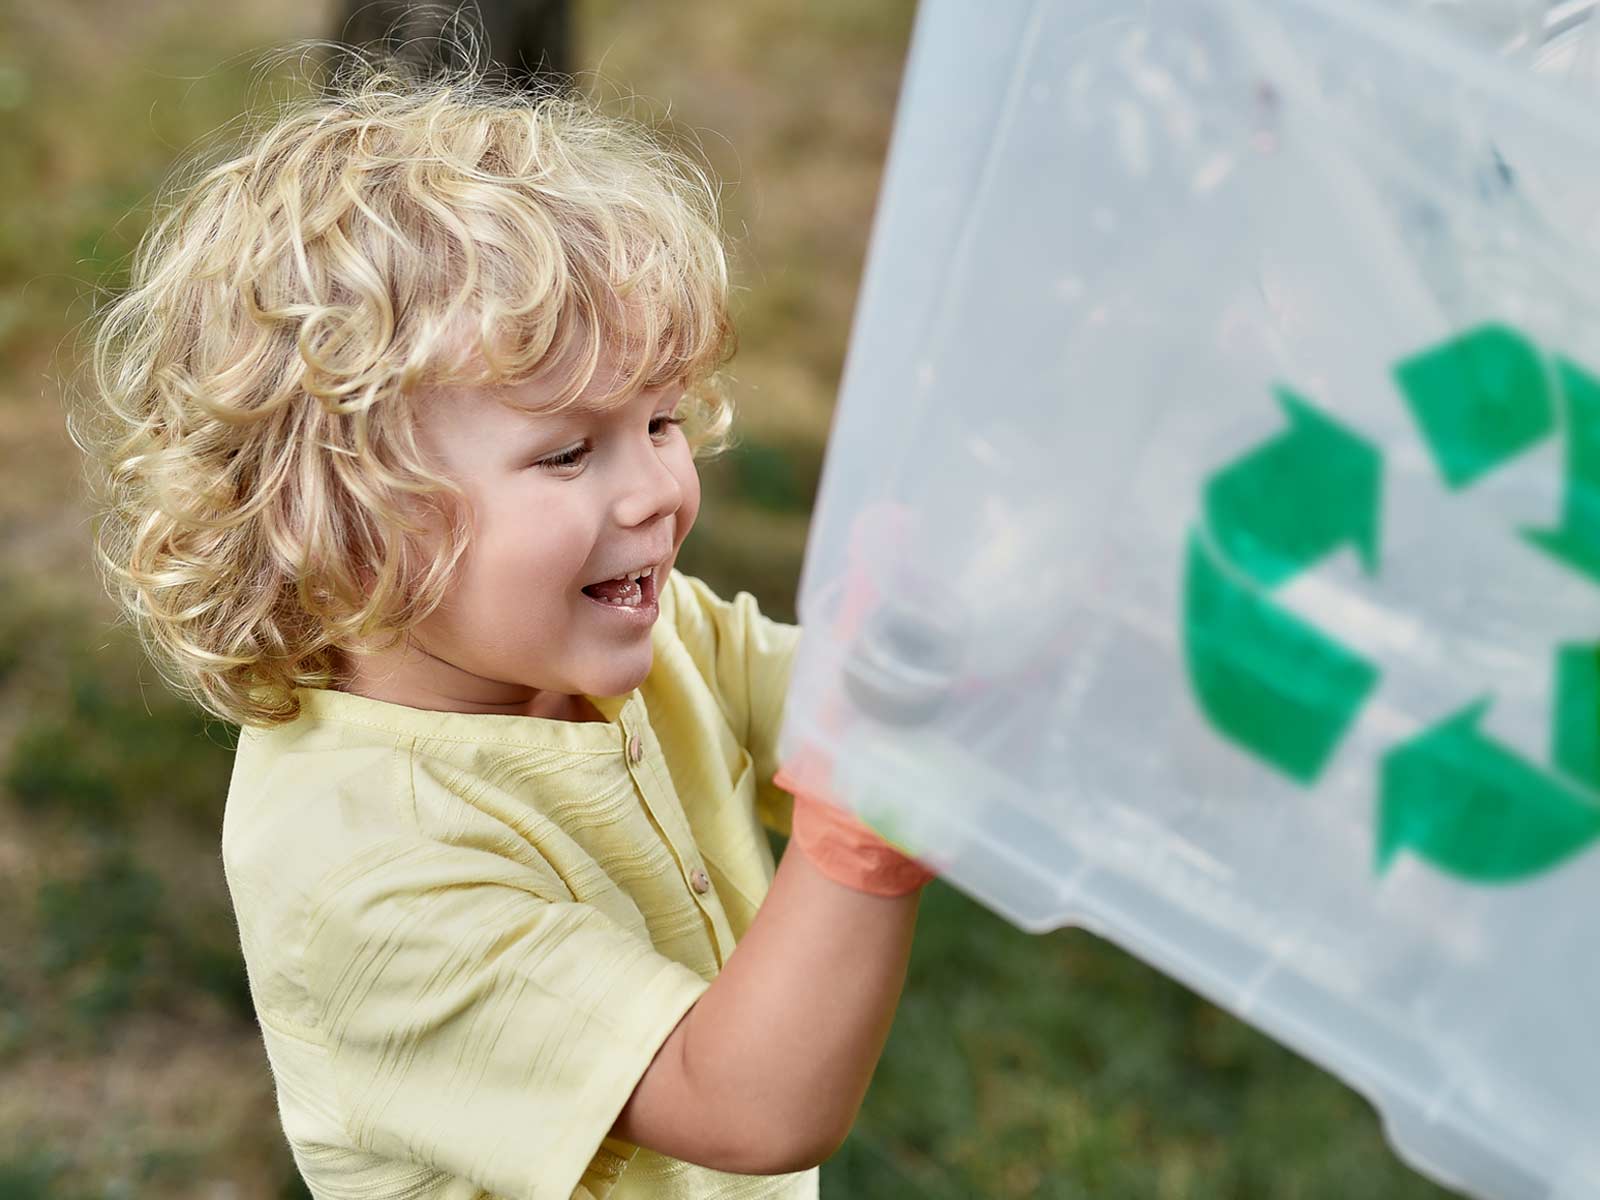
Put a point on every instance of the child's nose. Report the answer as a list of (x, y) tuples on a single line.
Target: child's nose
[(650, 489)]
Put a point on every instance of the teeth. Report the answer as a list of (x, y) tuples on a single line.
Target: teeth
[(636, 597)]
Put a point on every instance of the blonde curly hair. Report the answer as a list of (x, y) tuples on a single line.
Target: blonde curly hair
[(251, 422)]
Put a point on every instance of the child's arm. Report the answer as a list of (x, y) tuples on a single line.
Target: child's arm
[(767, 1070)]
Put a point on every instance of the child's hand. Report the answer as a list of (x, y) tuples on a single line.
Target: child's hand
[(845, 850)]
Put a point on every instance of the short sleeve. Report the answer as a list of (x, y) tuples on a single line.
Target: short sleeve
[(480, 1028), (749, 657)]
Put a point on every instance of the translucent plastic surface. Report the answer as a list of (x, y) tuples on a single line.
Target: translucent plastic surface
[(1208, 551)]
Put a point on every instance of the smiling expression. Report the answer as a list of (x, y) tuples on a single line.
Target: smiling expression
[(556, 501)]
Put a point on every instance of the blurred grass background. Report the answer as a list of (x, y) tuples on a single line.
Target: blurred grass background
[(130, 1064)]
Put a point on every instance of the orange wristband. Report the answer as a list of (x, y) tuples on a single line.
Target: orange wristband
[(847, 851)]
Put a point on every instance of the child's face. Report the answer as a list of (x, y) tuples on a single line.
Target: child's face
[(558, 501)]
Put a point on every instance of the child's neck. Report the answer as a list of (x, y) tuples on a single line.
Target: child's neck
[(388, 676), (584, 710)]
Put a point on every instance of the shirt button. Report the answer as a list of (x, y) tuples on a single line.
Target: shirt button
[(635, 749), (700, 881)]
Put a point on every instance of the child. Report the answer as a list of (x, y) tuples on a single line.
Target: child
[(404, 403)]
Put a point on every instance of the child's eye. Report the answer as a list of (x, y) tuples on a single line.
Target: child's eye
[(571, 458), (567, 458)]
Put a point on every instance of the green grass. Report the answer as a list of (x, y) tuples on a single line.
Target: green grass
[(115, 743), (770, 478), (33, 1175), (102, 757), (105, 921), (110, 940)]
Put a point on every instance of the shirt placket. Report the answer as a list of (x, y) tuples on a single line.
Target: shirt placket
[(642, 753)]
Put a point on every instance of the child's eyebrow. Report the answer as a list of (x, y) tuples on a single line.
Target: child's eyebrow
[(541, 424), (599, 407), (538, 417)]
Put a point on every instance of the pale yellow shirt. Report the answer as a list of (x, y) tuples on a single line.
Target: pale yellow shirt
[(467, 935)]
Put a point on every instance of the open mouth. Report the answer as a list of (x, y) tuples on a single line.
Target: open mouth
[(636, 590)]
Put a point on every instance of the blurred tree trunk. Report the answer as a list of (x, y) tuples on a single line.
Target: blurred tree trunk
[(531, 39)]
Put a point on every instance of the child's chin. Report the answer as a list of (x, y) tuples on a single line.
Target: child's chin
[(619, 682)]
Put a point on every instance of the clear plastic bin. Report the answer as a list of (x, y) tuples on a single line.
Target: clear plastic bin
[(1206, 553)]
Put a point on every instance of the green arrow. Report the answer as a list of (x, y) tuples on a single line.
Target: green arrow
[(1480, 399), (1577, 541), (1263, 677), (1575, 745), (1312, 488), (1469, 806)]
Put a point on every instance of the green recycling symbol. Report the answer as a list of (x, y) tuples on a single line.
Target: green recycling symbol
[(1287, 693)]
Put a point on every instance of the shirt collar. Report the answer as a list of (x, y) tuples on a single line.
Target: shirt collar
[(621, 713)]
